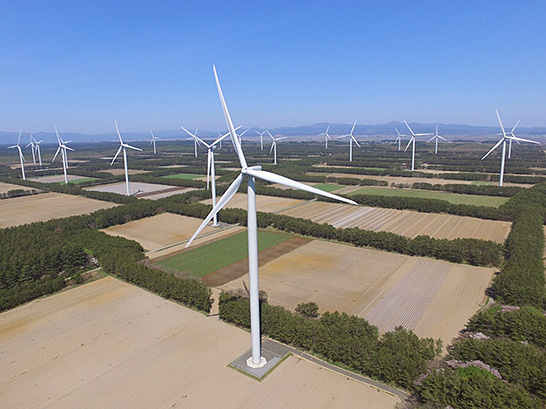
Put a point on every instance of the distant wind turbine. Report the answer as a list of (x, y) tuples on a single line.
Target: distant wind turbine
[(152, 141), (505, 137), (37, 148), (261, 139), (412, 141), (399, 138), (64, 156), (210, 165), (510, 144), (351, 139), (123, 146), (21, 157), (274, 146), (436, 137), (326, 136), (251, 173), (33, 148)]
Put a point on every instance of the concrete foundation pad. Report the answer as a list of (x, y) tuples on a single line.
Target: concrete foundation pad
[(271, 358)]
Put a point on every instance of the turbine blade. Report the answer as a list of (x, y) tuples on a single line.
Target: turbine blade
[(411, 130), (132, 147), (514, 128), (493, 148), (353, 128), (223, 137), (230, 192), (274, 178), (116, 155), (208, 168), (523, 140), (431, 139), (355, 141), (409, 143), (442, 138), (500, 122), (234, 137), (119, 135), (56, 153), (19, 137), (70, 149), (272, 146)]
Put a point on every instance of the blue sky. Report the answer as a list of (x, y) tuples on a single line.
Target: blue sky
[(82, 64)]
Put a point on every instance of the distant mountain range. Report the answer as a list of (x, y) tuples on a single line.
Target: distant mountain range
[(305, 132)]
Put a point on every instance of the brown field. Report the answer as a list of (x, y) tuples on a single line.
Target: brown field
[(6, 187), (121, 171), (46, 206), (108, 344), (145, 190), (434, 298), (268, 204), (166, 230), (404, 222)]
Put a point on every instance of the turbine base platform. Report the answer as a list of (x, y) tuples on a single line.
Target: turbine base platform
[(244, 364)]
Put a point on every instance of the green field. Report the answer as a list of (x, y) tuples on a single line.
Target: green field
[(78, 181), (327, 187), (455, 198), (183, 176), (216, 255)]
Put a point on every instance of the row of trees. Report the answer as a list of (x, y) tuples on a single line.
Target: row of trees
[(397, 357), (487, 190)]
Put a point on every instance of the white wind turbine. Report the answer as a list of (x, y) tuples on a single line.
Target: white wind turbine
[(195, 142), (261, 139), (399, 138), (37, 149), (505, 137), (274, 146), (32, 148), (64, 156), (251, 173), (124, 146), (210, 165), (412, 141), (351, 139), (152, 141), (510, 144), (326, 136), (436, 137), (21, 157)]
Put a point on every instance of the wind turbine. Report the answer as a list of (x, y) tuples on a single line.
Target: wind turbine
[(261, 139), (210, 165), (510, 144), (412, 141), (274, 146), (436, 137), (21, 157), (326, 136), (152, 141), (33, 148), (399, 138), (351, 139), (64, 157), (251, 173), (195, 142), (37, 148), (124, 146), (505, 137)]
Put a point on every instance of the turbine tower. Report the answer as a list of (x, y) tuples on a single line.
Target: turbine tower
[(37, 148), (436, 137), (399, 138), (326, 136), (210, 165), (412, 141), (21, 157), (64, 157), (505, 137), (351, 139), (32, 148), (251, 173), (124, 146), (152, 141), (274, 146), (510, 144), (261, 139)]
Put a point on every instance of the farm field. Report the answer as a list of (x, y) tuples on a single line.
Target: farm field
[(268, 204), (108, 344), (476, 200), (6, 187), (165, 230), (210, 257), (121, 171), (433, 298), (46, 206), (139, 189), (328, 187), (404, 222), (183, 176), (60, 179)]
